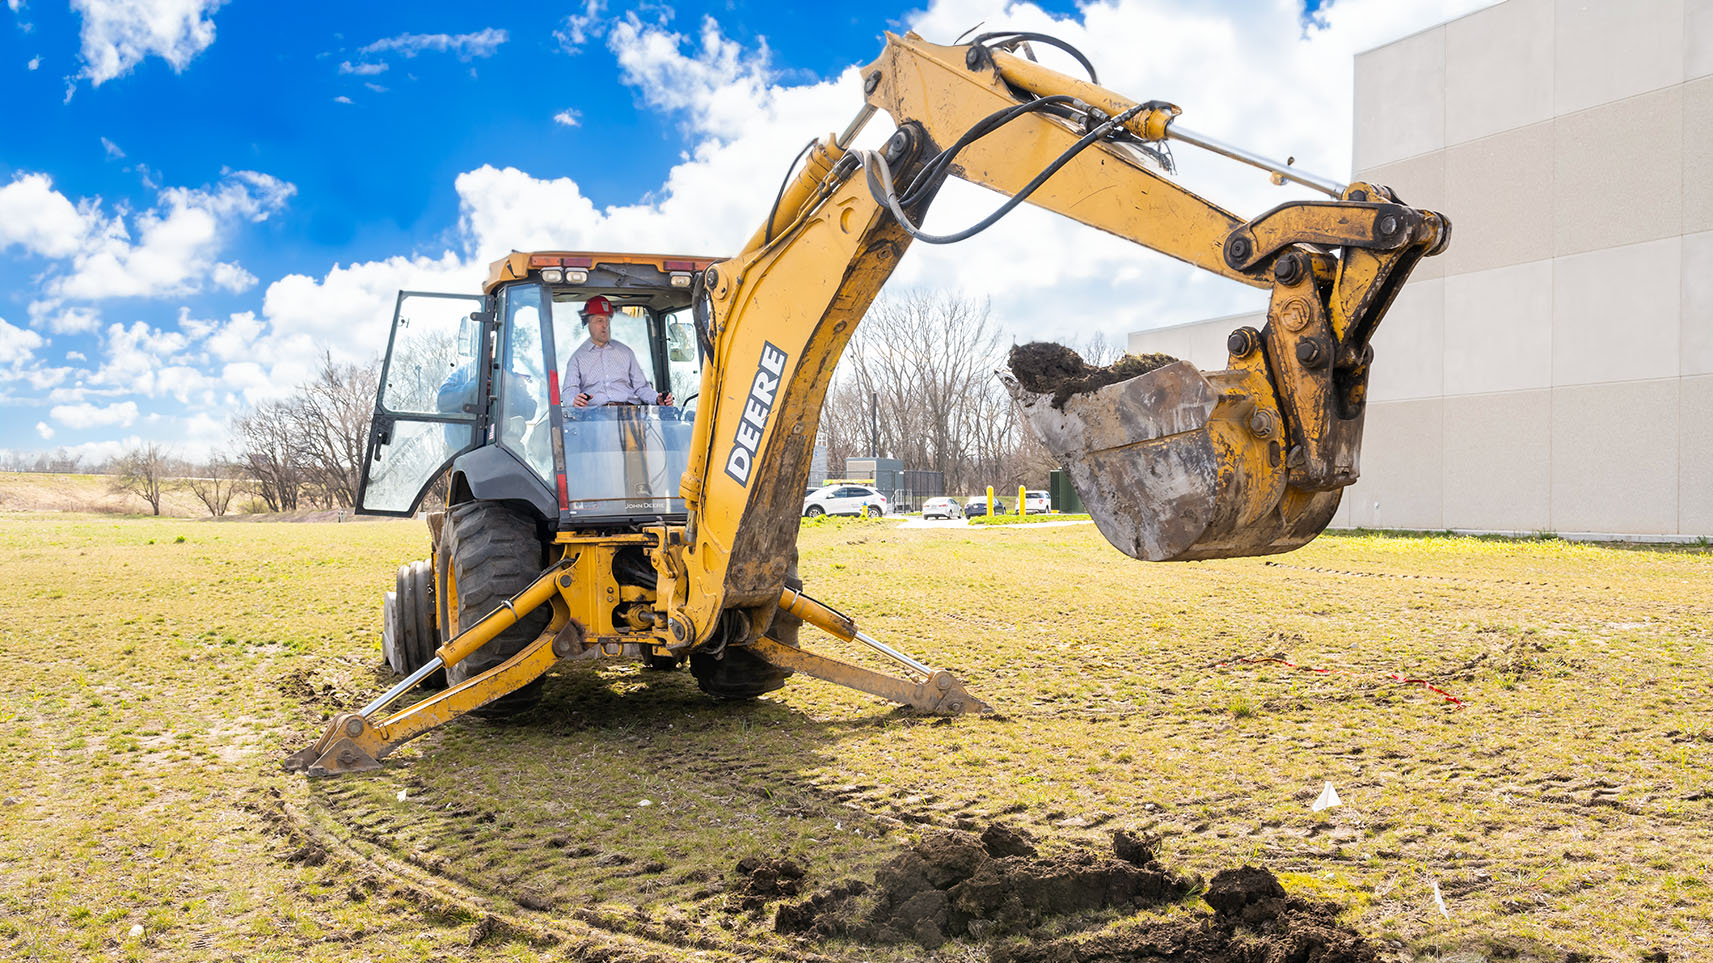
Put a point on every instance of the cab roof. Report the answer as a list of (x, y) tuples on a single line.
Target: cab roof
[(517, 265)]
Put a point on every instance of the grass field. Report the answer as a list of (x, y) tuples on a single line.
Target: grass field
[(158, 668), (58, 492)]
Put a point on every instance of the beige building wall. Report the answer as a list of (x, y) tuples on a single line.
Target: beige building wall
[(1553, 370)]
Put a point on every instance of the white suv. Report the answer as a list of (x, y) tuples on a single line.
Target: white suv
[(846, 500), (1036, 503)]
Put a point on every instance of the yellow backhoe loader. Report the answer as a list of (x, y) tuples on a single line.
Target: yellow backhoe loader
[(667, 532)]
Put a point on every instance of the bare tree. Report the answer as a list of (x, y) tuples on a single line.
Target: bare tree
[(214, 484), (914, 376), (1097, 350), (142, 472), (332, 427), (268, 454)]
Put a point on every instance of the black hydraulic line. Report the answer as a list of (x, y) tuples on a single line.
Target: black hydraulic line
[(774, 211), (1006, 37), (934, 171), (885, 194)]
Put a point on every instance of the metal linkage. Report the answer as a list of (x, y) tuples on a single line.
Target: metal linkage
[(1325, 185)]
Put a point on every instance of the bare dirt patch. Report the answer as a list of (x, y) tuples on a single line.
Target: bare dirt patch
[(962, 885), (1253, 921), (1043, 367)]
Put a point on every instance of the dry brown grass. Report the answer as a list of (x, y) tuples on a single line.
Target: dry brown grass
[(155, 682), (46, 492)]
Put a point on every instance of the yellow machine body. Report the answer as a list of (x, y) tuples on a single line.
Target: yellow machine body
[(1173, 464)]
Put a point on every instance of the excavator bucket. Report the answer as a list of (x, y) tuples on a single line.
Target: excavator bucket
[(1171, 462)]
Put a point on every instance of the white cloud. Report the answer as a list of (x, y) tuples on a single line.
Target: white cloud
[(119, 414), (147, 361), (34, 63), (376, 88), (39, 219), (72, 320), (569, 117), (176, 239), (17, 344), (577, 28), (361, 70), (716, 88), (236, 338), (44, 430), (76, 356), (113, 151), (119, 34), (465, 45), (342, 99), (229, 276), (350, 308), (88, 453)]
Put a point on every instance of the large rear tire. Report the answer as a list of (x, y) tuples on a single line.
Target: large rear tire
[(737, 673), (408, 637), (488, 554)]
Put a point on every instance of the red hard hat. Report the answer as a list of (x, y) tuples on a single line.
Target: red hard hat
[(597, 305)]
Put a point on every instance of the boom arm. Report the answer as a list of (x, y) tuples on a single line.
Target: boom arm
[(1173, 463), (1254, 457)]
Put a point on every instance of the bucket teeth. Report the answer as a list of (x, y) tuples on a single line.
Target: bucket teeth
[(341, 757)]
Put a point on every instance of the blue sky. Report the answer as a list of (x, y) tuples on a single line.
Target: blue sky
[(197, 199)]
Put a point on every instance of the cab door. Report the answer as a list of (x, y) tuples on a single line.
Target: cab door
[(432, 399)]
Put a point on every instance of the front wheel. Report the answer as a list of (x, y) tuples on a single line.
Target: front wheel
[(815, 511), (490, 553)]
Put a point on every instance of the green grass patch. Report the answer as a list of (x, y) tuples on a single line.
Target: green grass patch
[(1009, 519), (155, 685)]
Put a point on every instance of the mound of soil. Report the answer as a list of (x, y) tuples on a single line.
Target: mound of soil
[(1044, 367), (761, 881), (1253, 921), (959, 884)]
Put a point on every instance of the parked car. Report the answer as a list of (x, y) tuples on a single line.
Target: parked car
[(1035, 503), (978, 506), (941, 508), (846, 500)]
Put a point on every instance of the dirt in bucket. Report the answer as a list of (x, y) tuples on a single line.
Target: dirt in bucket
[(1044, 367)]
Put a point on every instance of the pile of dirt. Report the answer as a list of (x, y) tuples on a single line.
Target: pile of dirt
[(1044, 367), (761, 881), (1253, 921), (959, 884)]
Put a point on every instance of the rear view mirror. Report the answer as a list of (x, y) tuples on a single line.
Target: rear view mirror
[(680, 342), (466, 339)]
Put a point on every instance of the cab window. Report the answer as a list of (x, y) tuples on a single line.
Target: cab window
[(630, 328), (523, 409), (683, 356)]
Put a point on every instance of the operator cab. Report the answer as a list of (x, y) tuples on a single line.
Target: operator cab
[(483, 386)]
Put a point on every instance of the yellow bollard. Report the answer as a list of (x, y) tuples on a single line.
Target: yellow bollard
[(1020, 490), (990, 501)]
